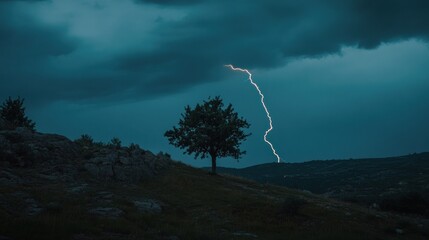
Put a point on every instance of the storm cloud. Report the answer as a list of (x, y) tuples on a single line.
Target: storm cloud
[(180, 46)]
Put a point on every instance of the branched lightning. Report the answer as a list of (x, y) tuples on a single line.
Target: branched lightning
[(263, 104)]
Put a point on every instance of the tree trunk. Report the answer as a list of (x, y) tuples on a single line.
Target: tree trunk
[(213, 164)]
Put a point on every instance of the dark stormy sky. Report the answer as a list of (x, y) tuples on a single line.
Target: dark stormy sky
[(342, 79)]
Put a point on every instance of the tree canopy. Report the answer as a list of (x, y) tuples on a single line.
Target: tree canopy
[(209, 129)]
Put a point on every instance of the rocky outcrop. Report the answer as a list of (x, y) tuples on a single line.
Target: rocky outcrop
[(59, 159), (126, 164), (24, 148)]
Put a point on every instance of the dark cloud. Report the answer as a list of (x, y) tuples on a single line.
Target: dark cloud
[(265, 34), (169, 2), (23, 1), (20, 44), (191, 49), (26, 48)]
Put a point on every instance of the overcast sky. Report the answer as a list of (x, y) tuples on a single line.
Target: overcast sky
[(342, 79)]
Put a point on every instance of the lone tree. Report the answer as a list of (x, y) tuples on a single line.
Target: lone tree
[(12, 114), (210, 129)]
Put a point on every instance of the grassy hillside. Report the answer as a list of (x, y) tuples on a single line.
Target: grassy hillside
[(192, 205)]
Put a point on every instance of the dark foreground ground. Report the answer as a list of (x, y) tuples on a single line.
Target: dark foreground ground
[(187, 203), (53, 188)]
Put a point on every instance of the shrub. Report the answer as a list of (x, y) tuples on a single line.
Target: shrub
[(115, 143), (12, 113), (87, 145), (133, 147), (84, 140)]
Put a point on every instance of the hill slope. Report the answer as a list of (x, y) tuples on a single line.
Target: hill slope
[(363, 180), (187, 203), (65, 200)]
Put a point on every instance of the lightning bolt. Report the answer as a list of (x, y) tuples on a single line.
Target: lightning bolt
[(263, 104)]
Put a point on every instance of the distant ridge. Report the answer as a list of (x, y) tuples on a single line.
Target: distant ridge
[(364, 181)]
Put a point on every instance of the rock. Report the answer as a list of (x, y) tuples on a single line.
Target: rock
[(48, 177), (25, 148), (399, 231), (78, 189), (62, 158), (106, 197), (109, 212), (374, 206), (401, 183), (245, 234), (125, 164), (148, 206), (7, 177), (306, 191), (105, 194), (33, 207)]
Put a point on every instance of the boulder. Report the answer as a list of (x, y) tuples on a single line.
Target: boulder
[(148, 206), (109, 212), (78, 189), (104, 196), (245, 234), (8, 178), (33, 207)]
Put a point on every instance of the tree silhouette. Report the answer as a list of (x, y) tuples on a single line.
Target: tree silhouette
[(12, 112), (210, 130)]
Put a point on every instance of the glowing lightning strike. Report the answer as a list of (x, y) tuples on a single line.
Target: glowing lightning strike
[(263, 104)]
